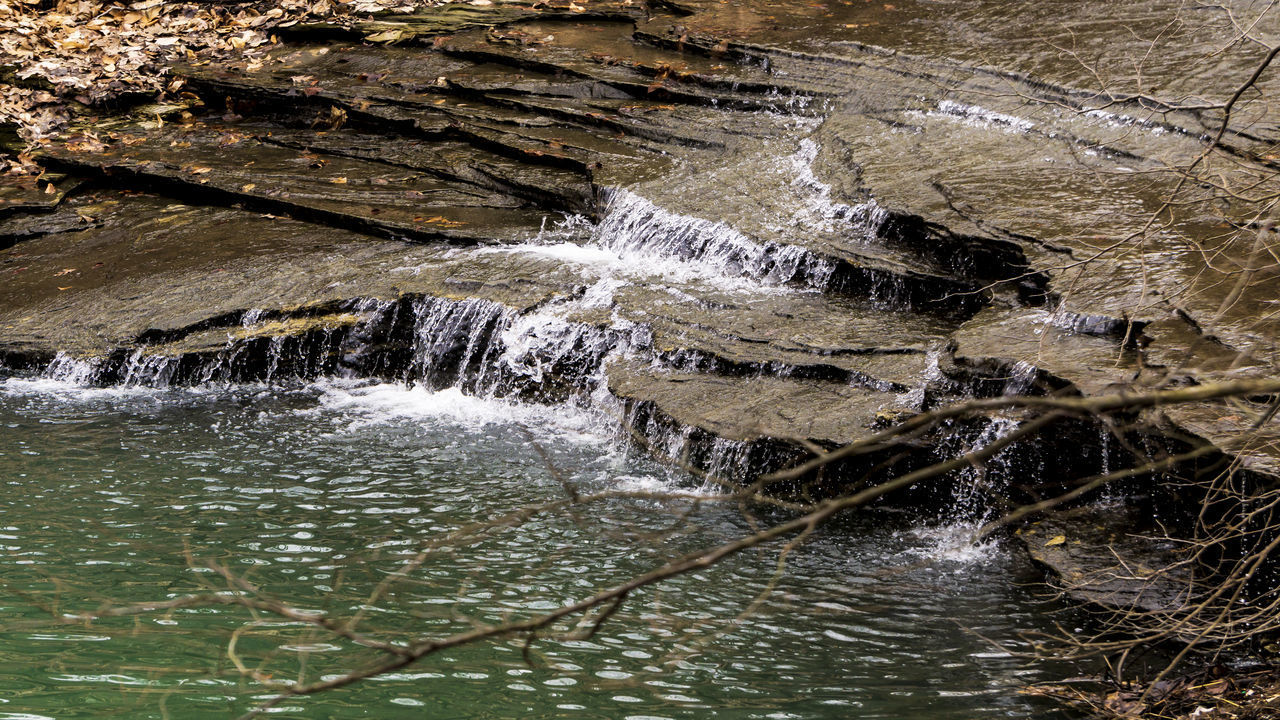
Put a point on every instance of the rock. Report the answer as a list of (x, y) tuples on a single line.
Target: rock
[(1107, 556), (797, 211)]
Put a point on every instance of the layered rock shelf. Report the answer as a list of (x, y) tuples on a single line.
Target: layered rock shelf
[(755, 241)]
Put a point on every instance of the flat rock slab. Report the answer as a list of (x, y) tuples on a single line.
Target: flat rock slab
[(1237, 428), (804, 222), (22, 195), (1044, 346), (1103, 556), (785, 332), (153, 264), (231, 165), (754, 408)]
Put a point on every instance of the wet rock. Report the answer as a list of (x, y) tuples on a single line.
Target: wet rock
[(783, 224), (732, 427), (1106, 556), (24, 195), (159, 266), (229, 166), (1020, 351)]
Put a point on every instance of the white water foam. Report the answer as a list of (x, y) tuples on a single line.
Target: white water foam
[(817, 210), (1124, 121), (642, 232), (660, 486), (69, 378), (980, 117), (358, 406), (374, 404), (638, 240), (952, 543), (70, 390), (914, 398)]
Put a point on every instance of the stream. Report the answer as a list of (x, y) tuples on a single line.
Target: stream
[(315, 493), (341, 303)]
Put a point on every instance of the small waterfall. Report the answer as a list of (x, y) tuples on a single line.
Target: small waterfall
[(453, 341), (141, 369), (730, 460), (972, 482), (978, 116), (915, 397), (252, 317), (1022, 378), (969, 507), (538, 345), (72, 370), (635, 228), (819, 211), (479, 346)]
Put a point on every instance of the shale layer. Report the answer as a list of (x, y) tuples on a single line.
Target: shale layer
[(751, 237)]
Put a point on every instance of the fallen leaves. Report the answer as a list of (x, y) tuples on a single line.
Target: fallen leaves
[(92, 51), (440, 220), (85, 143)]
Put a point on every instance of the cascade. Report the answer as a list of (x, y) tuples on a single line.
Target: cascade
[(818, 210), (968, 506), (636, 229), (545, 353), (72, 370)]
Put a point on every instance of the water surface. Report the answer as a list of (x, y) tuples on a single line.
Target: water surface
[(314, 494)]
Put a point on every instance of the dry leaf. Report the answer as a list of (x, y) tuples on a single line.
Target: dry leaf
[(389, 36)]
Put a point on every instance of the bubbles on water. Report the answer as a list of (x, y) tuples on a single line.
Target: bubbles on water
[(952, 544), (373, 404)]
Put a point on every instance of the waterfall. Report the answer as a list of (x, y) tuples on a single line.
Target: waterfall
[(1021, 379), (819, 211), (916, 396), (553, 352), (453, 341), (642, 232), (972, 482), (150, 370), (71, 370)]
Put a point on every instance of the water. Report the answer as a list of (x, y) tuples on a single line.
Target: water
[(639, 240), (314, 494)]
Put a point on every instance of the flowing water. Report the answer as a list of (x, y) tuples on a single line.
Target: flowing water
[(314, 494), (312, 466)]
